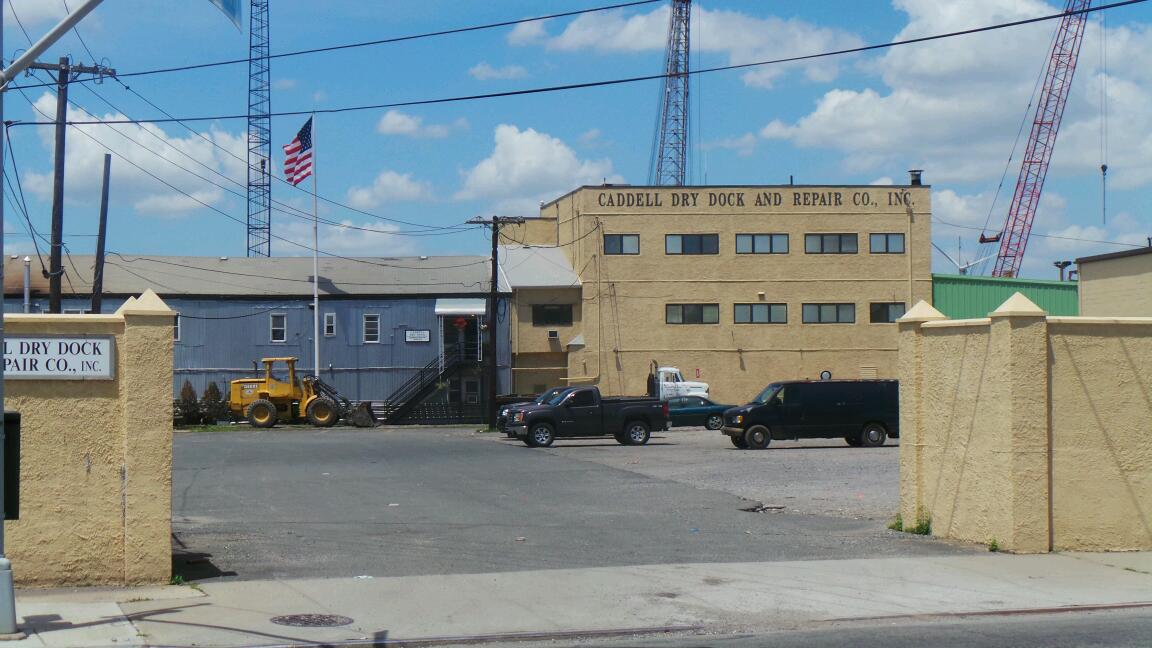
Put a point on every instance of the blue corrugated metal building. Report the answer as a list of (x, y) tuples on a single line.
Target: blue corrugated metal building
[(383, 320)]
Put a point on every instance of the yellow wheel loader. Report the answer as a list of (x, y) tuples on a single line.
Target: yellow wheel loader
[(281, 395)]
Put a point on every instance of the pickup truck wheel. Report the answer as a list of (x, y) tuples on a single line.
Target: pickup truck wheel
[(714, 422), (540, 436), (873, 435), (738, 441), (757, 437), (637, 433)]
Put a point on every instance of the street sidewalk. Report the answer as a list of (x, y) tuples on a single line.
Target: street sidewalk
[(699, 598)]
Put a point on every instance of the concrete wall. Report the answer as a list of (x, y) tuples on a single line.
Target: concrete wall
[(624, 296), (96, 456), (1116, 285), (1027, 430)]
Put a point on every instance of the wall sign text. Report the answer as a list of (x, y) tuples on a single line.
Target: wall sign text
[(59, 358)]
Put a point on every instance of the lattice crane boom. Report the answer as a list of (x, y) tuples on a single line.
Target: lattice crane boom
[(259, 134), (671, 155), (1042, 139)]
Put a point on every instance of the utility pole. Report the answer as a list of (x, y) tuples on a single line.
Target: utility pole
[(101, 236), (496, 222), (65, 72)]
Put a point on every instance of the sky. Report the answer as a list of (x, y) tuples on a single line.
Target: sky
[(403, 181)]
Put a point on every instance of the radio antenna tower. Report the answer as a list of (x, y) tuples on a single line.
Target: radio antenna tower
[(670, 155), (259, 134)]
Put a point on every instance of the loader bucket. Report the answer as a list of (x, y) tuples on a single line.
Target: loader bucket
[(361, 416)]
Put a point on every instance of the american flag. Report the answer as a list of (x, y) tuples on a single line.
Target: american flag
[(298, 163)]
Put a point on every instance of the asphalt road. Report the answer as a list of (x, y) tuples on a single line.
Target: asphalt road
[(816, 476), (306, 503)]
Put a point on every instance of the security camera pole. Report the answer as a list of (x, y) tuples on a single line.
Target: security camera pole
[(496, 222)]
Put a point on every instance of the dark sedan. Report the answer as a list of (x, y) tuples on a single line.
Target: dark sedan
[(684, 411)]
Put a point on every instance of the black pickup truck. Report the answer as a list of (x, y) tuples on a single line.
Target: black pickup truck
[(581, 412)]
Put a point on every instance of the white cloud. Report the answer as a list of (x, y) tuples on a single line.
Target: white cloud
[(320, 96), (395, 122), (485, 72), (592, 138), (388, 186), (953, 106), (33, 12), (744, 146), (527, 33), (217, 152), (284, 84), (883, 180), (374, 239), (745, 39), (526, 167)]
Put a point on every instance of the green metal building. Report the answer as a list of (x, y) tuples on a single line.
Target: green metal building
[(966, 297)]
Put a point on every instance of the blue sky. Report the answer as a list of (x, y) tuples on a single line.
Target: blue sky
[(951, 107)]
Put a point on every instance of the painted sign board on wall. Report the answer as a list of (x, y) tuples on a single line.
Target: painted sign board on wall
[(418, 336), (52, 357)]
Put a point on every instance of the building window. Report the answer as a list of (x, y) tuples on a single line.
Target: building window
[(886, 243), (692, 244), (75, 311), (692, 313), (621, 244), (371, 329), (830, 244), (886, 313), (279, 327), (761, 313), (552, 315), (761, 244), (329, 324), (176, 328), (829, 313)]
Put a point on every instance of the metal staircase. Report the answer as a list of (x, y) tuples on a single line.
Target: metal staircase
[(421, 385)]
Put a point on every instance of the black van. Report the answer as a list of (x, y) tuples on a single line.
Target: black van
[(864, 412)]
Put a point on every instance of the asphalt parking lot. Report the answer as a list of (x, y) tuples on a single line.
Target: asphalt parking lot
[(815, 476), (294, 503)]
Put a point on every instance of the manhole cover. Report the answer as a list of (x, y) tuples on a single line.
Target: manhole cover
[(312, 620)]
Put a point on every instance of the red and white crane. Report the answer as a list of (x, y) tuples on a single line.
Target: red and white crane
[(1041, 141)]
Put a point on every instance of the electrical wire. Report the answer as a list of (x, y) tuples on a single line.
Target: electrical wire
[(203, 203), (619, 81), (431, 228), (1050, 236)]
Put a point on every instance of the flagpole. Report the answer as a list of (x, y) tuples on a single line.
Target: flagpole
[(315, 258)]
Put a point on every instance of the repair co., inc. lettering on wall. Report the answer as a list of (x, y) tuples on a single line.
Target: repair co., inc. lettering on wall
[(59, 358)]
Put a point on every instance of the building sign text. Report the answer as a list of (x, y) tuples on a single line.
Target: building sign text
[(783, 199), (59, 358)]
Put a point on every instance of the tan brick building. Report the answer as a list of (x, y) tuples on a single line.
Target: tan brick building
[(1117, 284), (736, 286)]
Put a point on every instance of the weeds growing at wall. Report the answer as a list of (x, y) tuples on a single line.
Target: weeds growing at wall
[(923, 526)]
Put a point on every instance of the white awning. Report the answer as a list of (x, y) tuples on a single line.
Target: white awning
[(464, 306), (577, 341)]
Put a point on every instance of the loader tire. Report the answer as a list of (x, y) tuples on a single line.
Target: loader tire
[(262, 413), (322, 412)]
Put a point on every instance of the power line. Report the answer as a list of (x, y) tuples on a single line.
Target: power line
[(620, 81), (397, 39), (1051, 236), (194, 198)]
